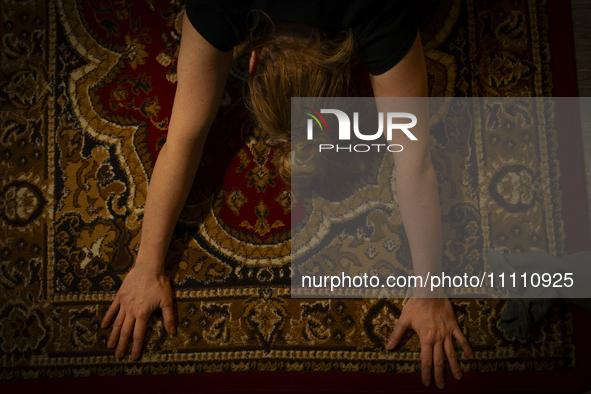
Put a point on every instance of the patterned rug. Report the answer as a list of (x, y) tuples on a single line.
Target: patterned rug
[(85, 97)]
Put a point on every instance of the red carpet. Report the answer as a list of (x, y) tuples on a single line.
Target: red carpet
[(131, 103)]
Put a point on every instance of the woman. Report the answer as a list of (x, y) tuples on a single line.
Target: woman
[(209, 33)]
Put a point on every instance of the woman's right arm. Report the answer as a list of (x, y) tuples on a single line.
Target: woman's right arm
[(429, 314), (202, 71)]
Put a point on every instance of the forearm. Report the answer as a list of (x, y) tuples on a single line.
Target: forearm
[(169, 187), (202, 73), (420, 210)]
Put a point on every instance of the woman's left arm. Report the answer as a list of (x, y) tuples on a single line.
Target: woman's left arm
[(416, 184)]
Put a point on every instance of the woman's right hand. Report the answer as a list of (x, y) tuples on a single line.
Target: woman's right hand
[(434, 321), (141, 293)]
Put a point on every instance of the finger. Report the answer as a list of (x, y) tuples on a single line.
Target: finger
[(126, 332), (459, 336), (112, 311), (397, 334), (450, 353), (438, 365), (114, 337), (138, 338), (426, 362), (168, 317)]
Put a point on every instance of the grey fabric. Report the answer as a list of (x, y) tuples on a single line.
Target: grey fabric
[(520, 314), (578, 264), (531, 304)]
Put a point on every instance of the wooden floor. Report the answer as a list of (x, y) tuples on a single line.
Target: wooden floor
[(581, 10)]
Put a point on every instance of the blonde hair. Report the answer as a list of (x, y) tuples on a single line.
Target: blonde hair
[(295, 63)]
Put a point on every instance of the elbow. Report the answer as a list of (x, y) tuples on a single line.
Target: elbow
[(425, 165), (417, 170)]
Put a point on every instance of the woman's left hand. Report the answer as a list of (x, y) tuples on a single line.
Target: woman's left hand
[(434, 321)]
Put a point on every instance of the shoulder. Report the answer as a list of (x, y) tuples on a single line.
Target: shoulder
[(385, 35), (221, 23)]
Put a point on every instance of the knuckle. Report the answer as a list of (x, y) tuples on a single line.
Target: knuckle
[(143, 315), (459, 335)]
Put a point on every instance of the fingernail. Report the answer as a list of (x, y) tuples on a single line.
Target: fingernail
[(458, 376), (428, 383), (472, 356), (441, 386), (389, 345), (110, 344), (118, 354)]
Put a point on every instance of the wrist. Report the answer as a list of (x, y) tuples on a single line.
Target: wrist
[(421, 292), (155, 267)]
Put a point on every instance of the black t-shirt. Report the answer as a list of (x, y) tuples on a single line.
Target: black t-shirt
[(384, 30)]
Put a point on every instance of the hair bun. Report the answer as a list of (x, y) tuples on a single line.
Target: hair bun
[(301, 65)]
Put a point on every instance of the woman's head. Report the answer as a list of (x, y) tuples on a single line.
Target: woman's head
[(295, 61)]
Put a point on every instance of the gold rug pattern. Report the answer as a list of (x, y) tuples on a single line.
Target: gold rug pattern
[(85, 95)]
